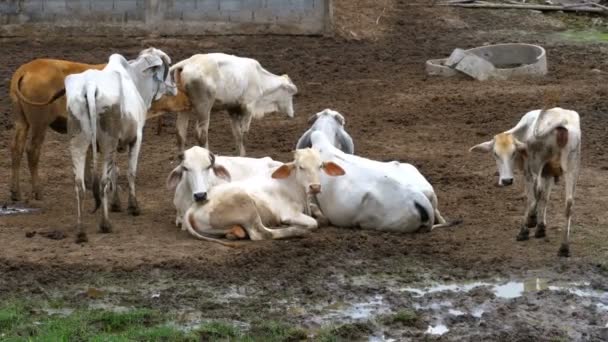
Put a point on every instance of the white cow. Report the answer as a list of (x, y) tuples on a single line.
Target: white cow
[(265, 201), (114, 101), (545, 144), (200, 170), (218, 81), (389, 196), (331, 123)]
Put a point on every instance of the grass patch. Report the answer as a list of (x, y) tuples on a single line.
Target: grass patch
[(346, 332), (585, 36)]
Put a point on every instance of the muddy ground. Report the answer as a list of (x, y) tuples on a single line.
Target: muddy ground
[(372, 71)]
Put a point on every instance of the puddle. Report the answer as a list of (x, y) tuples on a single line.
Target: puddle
[(509, 290), (438, 329), (13, 210), (339, 312)]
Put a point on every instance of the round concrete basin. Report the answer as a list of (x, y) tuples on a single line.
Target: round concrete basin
[(509, 60)]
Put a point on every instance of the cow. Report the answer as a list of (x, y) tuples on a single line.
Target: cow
[(389, 196), (37, 93), (265, 201), (239, 85), (114, 101), (545, 144), (200, 170), (331, 123)]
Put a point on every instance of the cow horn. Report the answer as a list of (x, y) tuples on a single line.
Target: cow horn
[(212, 160)]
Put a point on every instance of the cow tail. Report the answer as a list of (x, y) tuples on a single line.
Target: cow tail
[(190, 224), (91, 104)]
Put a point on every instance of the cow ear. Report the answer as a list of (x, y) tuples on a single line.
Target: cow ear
[(340, 119), (283, 171), (312, 119), (174, 177), (483, 147), (221, 172), (521, 148), (333, 169)]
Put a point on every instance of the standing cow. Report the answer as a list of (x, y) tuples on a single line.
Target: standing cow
[(113, 101), (218, 81), (545, 144)]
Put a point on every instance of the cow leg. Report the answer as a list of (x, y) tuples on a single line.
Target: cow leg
[(17, 147), (257, 231), (108, 155), (159, 124), (79, 145), (237, 132), (88, 175), (300, 220), (545, 185), (245, 121), (181, 125), (33, 156), (571, 175), (115, 206), (133, 206), (530, 215)]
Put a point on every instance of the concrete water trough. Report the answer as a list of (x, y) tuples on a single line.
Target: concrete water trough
[(498, 62)]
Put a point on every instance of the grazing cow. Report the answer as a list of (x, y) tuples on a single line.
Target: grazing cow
[(200, 170), (382, 196), (331, 123), (545, 144), (265, 201), (114, 101), (217, 81), (37, 95)]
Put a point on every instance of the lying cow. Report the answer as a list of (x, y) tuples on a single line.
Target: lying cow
[(265, 201), (217, 81), (331, 123), (545, 144), (114, 101), (380, 196), (200, 171)]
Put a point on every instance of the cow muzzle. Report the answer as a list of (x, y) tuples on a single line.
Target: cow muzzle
[(200, 196), (314, 189), (506, 181)]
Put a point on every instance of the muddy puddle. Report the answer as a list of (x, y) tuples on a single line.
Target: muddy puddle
[(14, 210), (490, 309)]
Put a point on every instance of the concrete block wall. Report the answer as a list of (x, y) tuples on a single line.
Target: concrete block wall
[(170, 17)]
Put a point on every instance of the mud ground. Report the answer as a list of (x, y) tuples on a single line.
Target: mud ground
[(372, 71)]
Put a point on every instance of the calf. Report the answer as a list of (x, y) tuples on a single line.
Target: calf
[(265, 201), (331, 123), (114, 101), (545, 144), (218, 81), (377, 195), (200, 170)]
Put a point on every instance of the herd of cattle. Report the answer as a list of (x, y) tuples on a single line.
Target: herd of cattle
[(221, 198)]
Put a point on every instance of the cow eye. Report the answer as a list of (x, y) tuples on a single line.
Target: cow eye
[(301, 167), (185, 169), (496, 155)]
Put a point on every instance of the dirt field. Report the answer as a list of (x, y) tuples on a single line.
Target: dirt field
[(373, 73)]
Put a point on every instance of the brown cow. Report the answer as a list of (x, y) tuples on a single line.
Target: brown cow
[(37, 95)]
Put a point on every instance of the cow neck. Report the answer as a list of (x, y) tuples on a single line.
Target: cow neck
[(291, 189)]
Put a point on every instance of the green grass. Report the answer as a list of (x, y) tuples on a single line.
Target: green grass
[(404, 317), (585, 36)]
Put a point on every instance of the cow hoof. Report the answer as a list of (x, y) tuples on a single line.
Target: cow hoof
[(564, 251), (540, 231), (82, 237), (133, 210), (105, 227), (523, 236), (15, 196), (115, 208), (532, 221)]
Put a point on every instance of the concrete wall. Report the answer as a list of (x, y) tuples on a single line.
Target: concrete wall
[(170, 17)]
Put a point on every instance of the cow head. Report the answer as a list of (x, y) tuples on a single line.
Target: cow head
[(158, 64), (199, 169), (328, 113), (306, 166), (506, 150), (285, 100)]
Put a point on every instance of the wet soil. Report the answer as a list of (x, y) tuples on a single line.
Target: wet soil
[(372, 71)]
